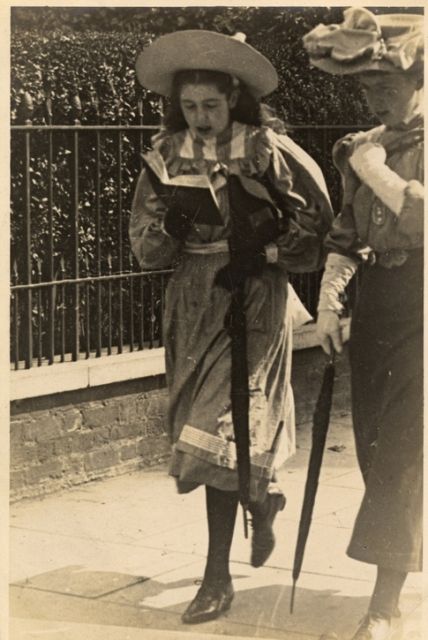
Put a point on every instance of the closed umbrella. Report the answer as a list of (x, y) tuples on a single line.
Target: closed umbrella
[(319, 434)]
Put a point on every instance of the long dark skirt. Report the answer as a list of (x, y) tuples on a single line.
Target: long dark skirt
[(386, 352)]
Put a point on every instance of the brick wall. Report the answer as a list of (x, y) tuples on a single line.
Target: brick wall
[(66, 439)]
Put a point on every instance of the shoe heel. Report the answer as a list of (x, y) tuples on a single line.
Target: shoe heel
[(281, 503)]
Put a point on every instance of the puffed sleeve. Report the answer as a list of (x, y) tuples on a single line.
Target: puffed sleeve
[(343, 237), (307, 213), (411, 218), (152, 247)]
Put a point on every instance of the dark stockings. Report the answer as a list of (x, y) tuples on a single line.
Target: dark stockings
[(221, 512), (387, 591)]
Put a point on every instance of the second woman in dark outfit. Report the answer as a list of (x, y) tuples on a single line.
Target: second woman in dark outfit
[(381, 223)]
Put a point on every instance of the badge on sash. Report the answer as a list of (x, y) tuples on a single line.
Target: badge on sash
[(378, 214)]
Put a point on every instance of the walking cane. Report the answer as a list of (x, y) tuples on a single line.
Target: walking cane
[(242, 206), (240, 397), (319, 434)]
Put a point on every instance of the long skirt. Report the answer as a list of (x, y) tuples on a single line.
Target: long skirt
[(387, 401), (198, 367)]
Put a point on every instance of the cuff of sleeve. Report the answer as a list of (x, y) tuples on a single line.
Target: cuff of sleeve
[(164, 231), (339, 269), (271, 253), (413, 195)]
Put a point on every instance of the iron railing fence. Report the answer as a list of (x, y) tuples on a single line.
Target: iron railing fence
[(76, 290)]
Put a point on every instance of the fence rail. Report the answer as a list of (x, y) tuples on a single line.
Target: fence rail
[(76, 290)]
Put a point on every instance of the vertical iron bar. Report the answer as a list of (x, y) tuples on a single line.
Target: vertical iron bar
[(75, 231), (152, 313), (39, 315), (131, 306), (51, 294), (15, 316), (62, 314), (109, 292), (27, 212), (98, 242), (141, 334), (140, 121), (120, 240), (162, 308), (87, 311)]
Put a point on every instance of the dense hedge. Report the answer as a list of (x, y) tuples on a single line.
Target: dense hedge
[(91, 61)]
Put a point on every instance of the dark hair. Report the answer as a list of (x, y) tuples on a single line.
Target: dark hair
[(247, 109)]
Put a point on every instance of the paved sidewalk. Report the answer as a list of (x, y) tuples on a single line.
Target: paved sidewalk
[(120, 560)]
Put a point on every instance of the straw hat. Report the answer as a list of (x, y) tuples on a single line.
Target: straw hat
[(366, 42), (199, 49)]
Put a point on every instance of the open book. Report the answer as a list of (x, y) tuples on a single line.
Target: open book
[(193, 194)]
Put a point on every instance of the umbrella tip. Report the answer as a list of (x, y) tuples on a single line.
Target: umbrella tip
[(293, 591)]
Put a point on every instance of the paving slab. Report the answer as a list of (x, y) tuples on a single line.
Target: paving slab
[(59, 552), (28, 604), (31, 629), (121, 559), (127, 517)]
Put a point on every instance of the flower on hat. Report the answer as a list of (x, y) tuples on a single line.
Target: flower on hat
[(403, 54), (363, 39)]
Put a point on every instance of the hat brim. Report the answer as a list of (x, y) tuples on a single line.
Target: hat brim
[(351, 68), (208, 50)]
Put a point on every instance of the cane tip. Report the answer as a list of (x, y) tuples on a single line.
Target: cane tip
[(293, 591)]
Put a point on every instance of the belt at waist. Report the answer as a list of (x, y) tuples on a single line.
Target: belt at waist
[(394, 257), (221, 246)]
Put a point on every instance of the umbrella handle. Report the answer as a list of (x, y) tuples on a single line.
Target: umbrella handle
[(331, 357)]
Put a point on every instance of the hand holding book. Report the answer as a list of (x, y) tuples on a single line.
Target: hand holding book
[(188, 198), (177, 223)]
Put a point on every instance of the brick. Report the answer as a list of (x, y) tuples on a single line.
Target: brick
[(128, 451), (93, 439), (39, 472), (156, 426), (29, 429), (100, 459), (128, 411), (17, 432), (72, 419), (128, 430), (153, 448), (99, 415), (45, 450), (23, 454), (17, 480), (65, 445), (73, 465), (48, 427)]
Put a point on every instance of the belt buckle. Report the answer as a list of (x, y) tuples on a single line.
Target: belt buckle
[(392, 258)]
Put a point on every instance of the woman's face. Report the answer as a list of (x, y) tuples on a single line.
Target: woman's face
[(392, 97), (205, 109)]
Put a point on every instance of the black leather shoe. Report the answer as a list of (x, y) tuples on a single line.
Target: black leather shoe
[(375, 627), (263, 515), (210, 601)]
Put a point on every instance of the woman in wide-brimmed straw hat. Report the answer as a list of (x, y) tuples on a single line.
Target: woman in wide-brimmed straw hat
[(381, 224), (213, 128)]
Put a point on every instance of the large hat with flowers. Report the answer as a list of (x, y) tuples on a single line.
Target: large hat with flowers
[(199, 49), (366, 42)]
